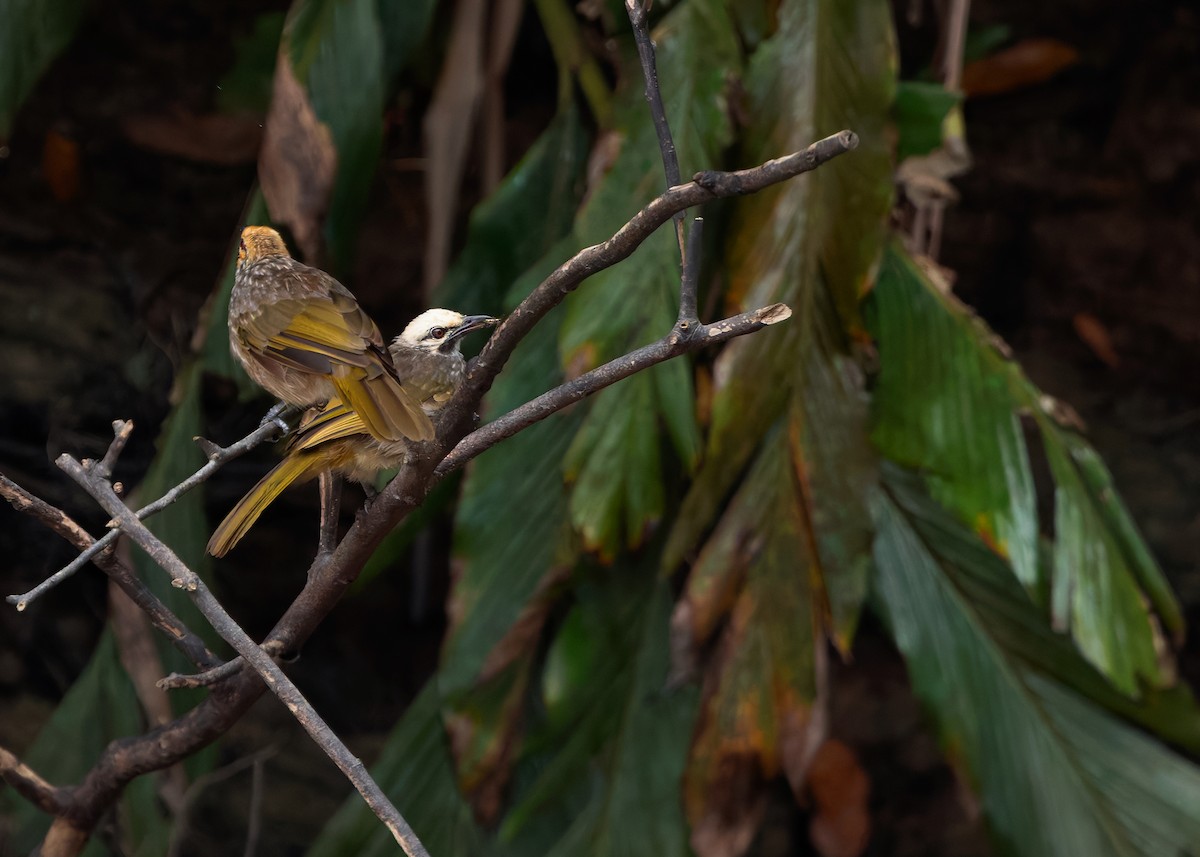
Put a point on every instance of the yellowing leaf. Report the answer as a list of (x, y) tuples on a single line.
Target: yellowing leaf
[(755, 720), (947, 402), (811, 243)]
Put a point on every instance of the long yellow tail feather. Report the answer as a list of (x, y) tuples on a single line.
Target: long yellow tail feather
[(293, 468)]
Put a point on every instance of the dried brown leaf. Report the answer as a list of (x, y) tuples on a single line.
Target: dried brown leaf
[(733, 809), (60, 165), (485, 724), (506, 19), (447, 130), (297, 164), (214, 138), (754, 724), (840, 789), (1026, 63), (1095, 336)]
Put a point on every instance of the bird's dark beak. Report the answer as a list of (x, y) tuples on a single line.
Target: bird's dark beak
[(473, 322)]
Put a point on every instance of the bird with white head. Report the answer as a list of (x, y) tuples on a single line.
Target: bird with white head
[(429, 361)]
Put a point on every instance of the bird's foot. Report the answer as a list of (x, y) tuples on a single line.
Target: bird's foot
[(278, 416)]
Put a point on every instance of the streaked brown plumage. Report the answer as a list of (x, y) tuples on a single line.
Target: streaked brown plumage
[(335, 437), (302, 336)]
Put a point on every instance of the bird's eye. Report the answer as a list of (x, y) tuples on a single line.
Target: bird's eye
[(437, 333)]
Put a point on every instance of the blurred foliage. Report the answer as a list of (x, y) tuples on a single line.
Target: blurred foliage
[(32, 34), (647, 584), (100, 706), (920, 109), (247, 84)]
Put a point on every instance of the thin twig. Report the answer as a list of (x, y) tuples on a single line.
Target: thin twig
[(161, 617), (217, 458), (183, 577), (184, 816), (672, 345), (219, 673), (175, 681), (658, 111), (27, 783), (254, 813), (482, 371), (122, 429), (689, 281)]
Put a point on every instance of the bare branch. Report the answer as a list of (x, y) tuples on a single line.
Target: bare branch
[(182, 576), (65, 838), (566, 278), (678, 341), (219, 673), (190, 645), (122, 429), (658, 111), (175, 681), (689, 282), (26, 782), (217, 458)]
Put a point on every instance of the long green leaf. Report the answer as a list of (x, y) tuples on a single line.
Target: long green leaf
[(947, 402), (522, 219), (404, 26), (614, 747), (511, 529), (1056, 774)]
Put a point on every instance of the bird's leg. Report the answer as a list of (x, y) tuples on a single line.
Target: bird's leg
[(279, 414), (331, 502)]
